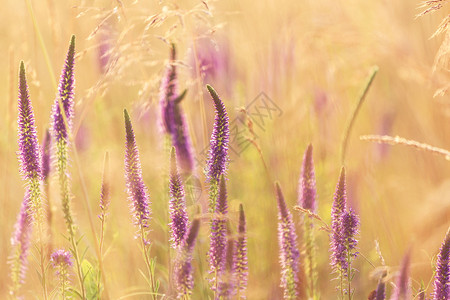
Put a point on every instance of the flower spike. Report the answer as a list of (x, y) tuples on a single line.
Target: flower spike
[(137, 191), (289, 254)]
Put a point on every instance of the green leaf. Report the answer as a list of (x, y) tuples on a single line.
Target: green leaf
[(90, 280)]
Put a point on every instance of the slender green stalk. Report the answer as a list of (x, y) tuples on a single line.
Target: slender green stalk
[(41, 44), (61, 166), (310, 259), (146, 249), (355, 113), (104, 203), (37, 207)]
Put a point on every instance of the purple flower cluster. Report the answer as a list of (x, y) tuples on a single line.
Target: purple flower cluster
[(177, 204), (345, 224), (350, 224), (21, 240), (173, 119), (183, 266), (338, 255), (210, 61), (29, 152), (218, 152), (307, 182), (218, 243), (380, 293), (289, 253), (61, 258), (137, 191), (227, 282), (241, 260), (65, 95), (403, 285), (442, 277)]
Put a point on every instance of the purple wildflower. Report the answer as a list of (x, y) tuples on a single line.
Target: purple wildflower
[(183, 266), (228, 277), (241, 260), (61, 258), (210, 61), (137, 191), (218, 152), (350, 223), (20, 241), (307, 182), (105, 189), (381, 289), (29, 153), (403, 286), (177, 204), (169, 93), (421, 294), (106, 40), (173, 119), (289, 254), (46, 155), (65, 97), (442, 277), (307, 200), (218, 243), (338, 258)]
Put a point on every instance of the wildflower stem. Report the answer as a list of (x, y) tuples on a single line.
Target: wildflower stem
[(42, 44), (145, 248), (349, 274), (355, 113), (37, 208)]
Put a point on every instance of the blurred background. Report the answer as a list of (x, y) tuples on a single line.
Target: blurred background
[(295, 69)]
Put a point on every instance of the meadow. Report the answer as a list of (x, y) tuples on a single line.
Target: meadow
[(225, 149)]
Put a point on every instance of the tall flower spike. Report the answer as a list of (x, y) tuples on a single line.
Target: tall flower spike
[(442, 277), (218, 148), (29, 153), (307, 200), (307, 182), (338, 259), (65, 97), (289, 254), (218, 243), (137, 191), (218, 152), (183, 265), (241, 255), (31, 165), (177, 204), (20, 242), (403, 285), (173, 118), (168, 92)]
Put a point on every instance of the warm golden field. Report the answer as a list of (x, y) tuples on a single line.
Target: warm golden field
[(312, 59)]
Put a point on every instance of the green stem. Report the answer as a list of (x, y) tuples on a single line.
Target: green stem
[(65, 193), (41, 43), (145, 249), (355, 113), (37, 208)]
